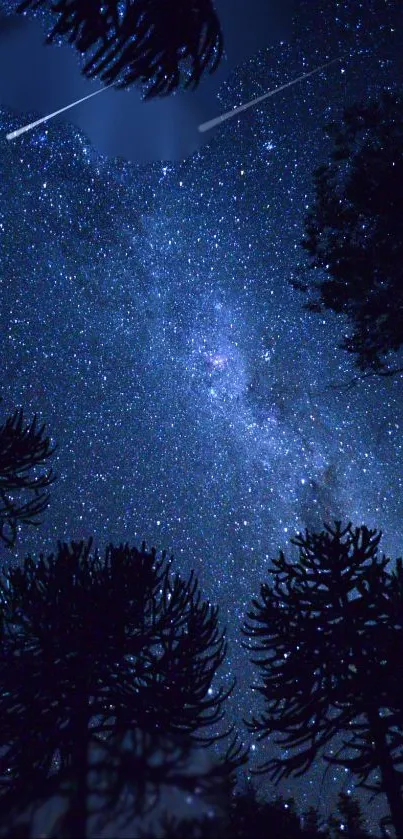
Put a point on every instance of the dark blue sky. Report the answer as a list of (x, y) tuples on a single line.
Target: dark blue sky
[(119, 122), (147, 317)]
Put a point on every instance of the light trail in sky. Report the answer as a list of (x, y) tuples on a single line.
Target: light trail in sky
[(14, 134), (205, 126)]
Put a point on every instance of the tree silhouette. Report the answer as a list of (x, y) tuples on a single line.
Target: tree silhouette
[(353, 232), (160, 43), (248, 816), (351, 823), (247, 812), (329, 639), (312, 825), (24, 450), (105, 676)]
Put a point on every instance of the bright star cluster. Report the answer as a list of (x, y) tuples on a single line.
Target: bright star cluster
[(147, 317)]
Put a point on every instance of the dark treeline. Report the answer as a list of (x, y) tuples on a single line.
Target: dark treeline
[(247, 816), (106, 672)]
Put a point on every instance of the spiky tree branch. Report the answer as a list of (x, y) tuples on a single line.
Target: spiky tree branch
[(107, 664), (24, 450), (353, 232), (329, 640), (160, 43)]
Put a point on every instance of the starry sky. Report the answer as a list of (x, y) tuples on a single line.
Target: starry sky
[(119, 122), (147, 317)]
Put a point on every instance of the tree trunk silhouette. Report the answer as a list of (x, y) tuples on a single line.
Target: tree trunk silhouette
[(391, 781), (76, 821)]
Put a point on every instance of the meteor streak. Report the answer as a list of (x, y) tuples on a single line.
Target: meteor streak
[(14, 134), (205, 126)]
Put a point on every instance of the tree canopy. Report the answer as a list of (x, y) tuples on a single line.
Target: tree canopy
[(163, 44), (24, 479), (353, 232), (328, 635), (106, 666)]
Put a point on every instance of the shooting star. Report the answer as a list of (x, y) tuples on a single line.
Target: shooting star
[(205, 126), (14, 134)]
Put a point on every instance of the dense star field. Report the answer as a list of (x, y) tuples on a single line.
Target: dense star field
[(147, 318)]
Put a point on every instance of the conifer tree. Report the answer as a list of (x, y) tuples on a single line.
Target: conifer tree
[(350, 821), (24, 479), (105, 684), (328, 641), (353, 233)]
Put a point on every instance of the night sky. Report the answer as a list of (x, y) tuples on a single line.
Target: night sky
[(120, 122), (147, 317)]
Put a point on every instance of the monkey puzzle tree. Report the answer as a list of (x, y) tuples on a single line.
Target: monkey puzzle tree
[(329, 638), (162, 43), (353, 232), (24, 450), (105, 676)]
